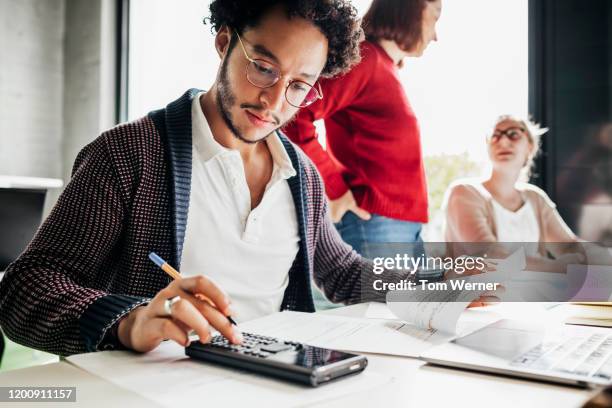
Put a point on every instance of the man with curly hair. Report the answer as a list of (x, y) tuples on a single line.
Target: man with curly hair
[(211, 185)]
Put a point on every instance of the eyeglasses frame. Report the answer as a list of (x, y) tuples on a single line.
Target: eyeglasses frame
[(504, 133), (317, 88)]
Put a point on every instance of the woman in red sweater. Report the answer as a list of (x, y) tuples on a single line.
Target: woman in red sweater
[(373, 166)]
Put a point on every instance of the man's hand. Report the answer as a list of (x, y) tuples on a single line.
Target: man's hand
[(147, 326), (486, 298), (562, 263), (346, 202)]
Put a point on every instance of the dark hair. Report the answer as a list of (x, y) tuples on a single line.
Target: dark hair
[(395, 20), (337, 20)]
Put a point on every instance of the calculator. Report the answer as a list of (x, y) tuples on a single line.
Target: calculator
[(287, 360)]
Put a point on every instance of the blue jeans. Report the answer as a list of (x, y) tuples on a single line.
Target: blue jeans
[(371, 238), (368, 237)]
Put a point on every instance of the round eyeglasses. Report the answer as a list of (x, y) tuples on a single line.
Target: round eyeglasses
[(513, 134), (264, 74)]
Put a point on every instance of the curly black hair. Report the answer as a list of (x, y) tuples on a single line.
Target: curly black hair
[(337, 20)]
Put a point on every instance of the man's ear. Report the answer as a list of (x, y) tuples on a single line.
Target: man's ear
[(222, 41)]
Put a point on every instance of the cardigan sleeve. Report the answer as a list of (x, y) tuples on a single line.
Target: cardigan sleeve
[(342, 274), (47, 298), (466, 216)]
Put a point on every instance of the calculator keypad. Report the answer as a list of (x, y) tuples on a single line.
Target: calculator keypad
[(254, 345)]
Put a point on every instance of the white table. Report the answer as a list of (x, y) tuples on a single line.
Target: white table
[(421, 385), (415, 385), (91, 391)]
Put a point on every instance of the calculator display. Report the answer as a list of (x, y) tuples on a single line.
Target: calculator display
[(309, 356), (278, 350)]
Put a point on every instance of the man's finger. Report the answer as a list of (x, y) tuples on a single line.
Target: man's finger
[(485, 301), (183, 327), (185, 312), (170, 330), (204, 286), (215, 318), (501, 289), (472, 272), (220, 322), (489, 299)]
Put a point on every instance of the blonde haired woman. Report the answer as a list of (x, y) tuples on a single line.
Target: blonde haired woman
[(506, 208)]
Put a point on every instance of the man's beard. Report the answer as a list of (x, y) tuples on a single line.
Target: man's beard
[(226, 99)]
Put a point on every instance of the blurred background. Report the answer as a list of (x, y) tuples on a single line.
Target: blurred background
[(70, 69)]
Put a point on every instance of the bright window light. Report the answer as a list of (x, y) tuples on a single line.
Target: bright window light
[(476, 71)]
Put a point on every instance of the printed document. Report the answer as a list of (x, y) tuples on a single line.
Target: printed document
[(380, 336), (440, 310), (170, 378)]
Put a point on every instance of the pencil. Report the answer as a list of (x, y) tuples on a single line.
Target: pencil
[(165, 266)]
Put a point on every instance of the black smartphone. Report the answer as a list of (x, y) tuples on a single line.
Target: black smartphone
[(282, 359)]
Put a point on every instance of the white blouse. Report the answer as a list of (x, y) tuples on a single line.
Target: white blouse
[(517, 226)]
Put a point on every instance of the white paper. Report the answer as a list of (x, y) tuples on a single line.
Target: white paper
[(469, 321), (424, 309), (439, 315), (170, 378), (379, 311), (347, 333)]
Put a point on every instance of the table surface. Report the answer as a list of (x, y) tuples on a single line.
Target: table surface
[(415, 384)]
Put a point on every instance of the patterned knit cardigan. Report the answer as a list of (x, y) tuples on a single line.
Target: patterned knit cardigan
[(129, 195)]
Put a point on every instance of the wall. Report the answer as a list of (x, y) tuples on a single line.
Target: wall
[(31, 87), (89, 72), (57, 83)]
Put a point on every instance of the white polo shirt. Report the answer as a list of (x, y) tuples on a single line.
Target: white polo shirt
[(247, 253)]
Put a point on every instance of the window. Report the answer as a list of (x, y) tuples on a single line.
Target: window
[(171, 50), (476, 71)]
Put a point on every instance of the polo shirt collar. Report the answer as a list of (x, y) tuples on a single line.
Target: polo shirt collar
[(208, 147)]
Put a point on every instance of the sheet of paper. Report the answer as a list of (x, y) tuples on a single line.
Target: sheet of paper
[(440, 310), (378, 310), (469, 321), (441, 315), (170, 378), (348, 333)]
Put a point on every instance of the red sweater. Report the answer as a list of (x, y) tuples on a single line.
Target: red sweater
[(372, 136)]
